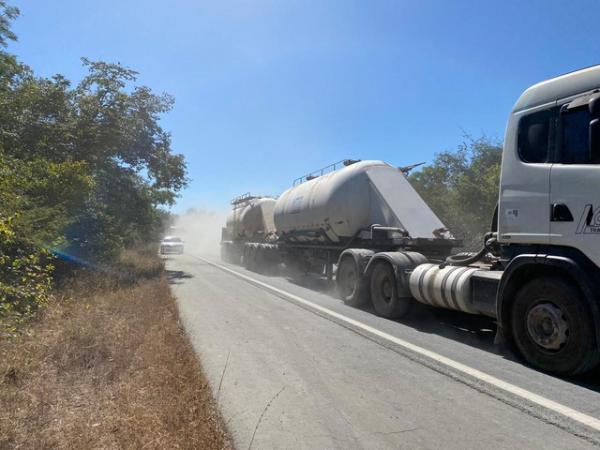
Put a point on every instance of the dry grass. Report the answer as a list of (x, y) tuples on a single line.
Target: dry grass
[(107, 366)]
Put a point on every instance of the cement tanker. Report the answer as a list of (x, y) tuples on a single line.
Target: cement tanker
[(251, 220), (346, 219), (336, 207)]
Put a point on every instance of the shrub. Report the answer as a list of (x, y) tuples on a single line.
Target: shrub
[(25, 277)]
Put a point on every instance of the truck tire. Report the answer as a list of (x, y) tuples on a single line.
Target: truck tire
[(248, 257), (225, 253), (253, 258), (552, 327), (260, 259), (235, 254), (348, 283), (269, 260), (384, 292)]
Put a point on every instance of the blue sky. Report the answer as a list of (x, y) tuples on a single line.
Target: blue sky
[(267, 91)]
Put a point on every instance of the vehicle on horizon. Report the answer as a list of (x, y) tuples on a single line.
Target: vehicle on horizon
[(171, 245), (538, 271)]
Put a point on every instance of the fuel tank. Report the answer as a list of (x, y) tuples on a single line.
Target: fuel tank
[(251, 219), (447, 287), (337, 205)]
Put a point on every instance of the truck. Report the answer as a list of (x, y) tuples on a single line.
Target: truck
[(537, 273), (250, 221)]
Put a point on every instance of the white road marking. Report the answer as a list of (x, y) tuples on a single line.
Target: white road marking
[(551, 405)]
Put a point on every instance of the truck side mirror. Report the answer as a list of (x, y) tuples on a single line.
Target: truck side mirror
[(594, 140), (594, 107)]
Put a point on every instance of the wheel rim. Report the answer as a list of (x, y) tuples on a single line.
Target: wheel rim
[(383, 289), (547, 326), (386, 289), (348, 278)]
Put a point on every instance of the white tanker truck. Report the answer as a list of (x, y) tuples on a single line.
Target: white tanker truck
[(251, 220), (538, 271)]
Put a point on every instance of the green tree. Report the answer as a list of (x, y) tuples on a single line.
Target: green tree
[(7, 15), (462, 188), (35, 197), (116, 131), (84, 170), (113, 129)]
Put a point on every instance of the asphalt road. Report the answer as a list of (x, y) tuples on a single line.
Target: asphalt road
[(292, 367)]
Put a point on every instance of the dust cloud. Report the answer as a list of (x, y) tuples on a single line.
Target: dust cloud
[(200, 230)]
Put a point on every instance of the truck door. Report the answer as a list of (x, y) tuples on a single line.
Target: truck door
[(525, 179), (575, 177)]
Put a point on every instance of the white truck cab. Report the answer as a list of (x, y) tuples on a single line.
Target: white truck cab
[(548, 226), (551, 165)]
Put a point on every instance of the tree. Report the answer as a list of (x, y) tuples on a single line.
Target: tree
[(116, 131), (84, 170), (111, 128), (35, 198), (7, 15), (462, 188)]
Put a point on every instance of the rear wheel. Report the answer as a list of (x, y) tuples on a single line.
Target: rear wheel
[(552, 327), (248, 258), (260, 259), (348, 282), (384, 292), (234, 254), (224, 253)]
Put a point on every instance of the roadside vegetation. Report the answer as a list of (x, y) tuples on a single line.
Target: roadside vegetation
[(461, 187), (84, 171), (92, 354), (107, 365)]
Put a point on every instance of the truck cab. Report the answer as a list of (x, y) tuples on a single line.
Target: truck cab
[(548, 226)]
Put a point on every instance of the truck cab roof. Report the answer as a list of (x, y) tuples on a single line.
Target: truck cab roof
[(572, 83)]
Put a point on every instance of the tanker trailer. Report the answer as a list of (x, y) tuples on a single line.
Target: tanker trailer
[(250, 220), (538, 271), (342, 218)]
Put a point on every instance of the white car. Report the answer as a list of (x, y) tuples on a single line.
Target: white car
[(171, 245)]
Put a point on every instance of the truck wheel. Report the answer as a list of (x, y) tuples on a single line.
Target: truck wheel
[(260, 259), (384, 292), (348, 283), (552, 327), (248, 257), (252, 258), (235, 255)]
